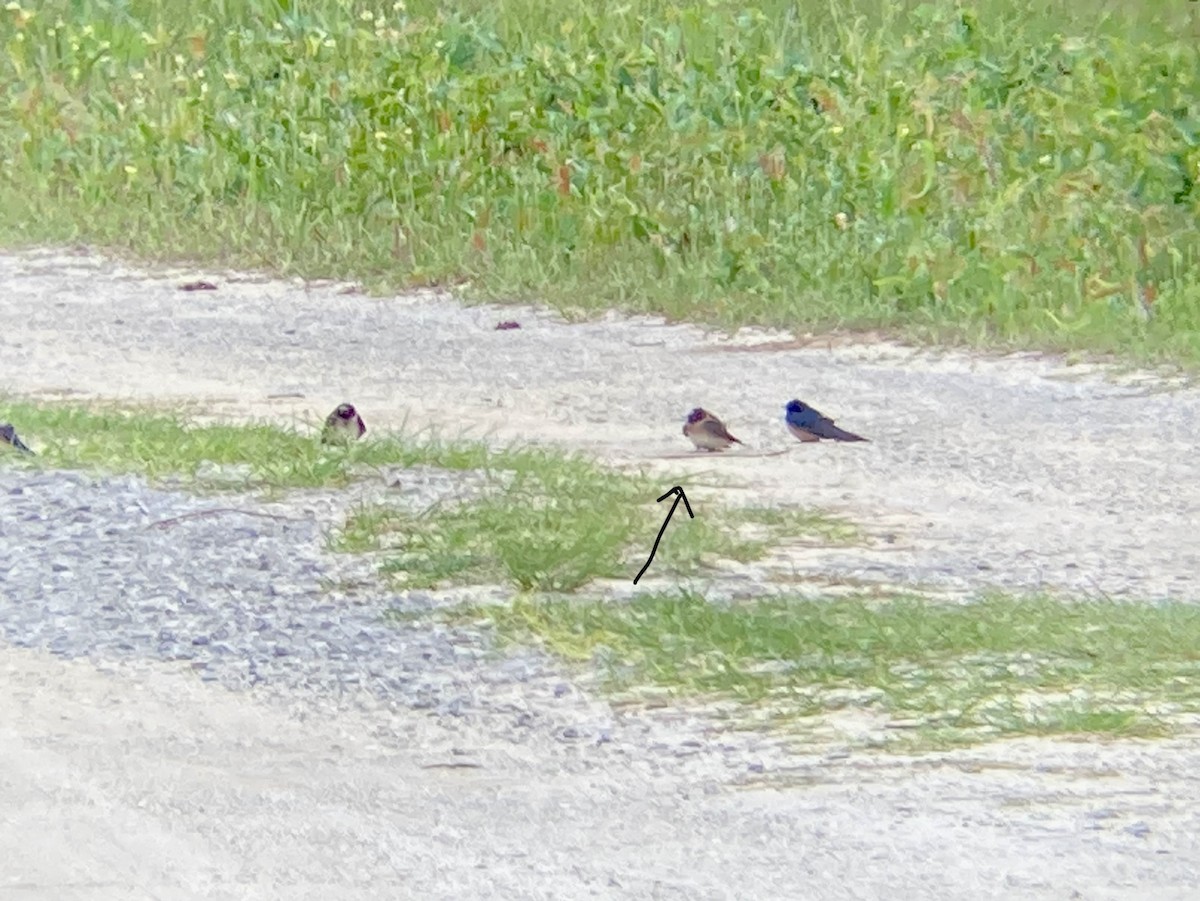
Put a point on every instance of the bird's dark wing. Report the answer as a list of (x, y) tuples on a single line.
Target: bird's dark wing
[(802, 434), (824, 428), (717, 429), (8, 435)]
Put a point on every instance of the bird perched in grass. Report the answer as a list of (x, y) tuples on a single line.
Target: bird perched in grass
[(707, 432), (343, 425), (808, 424), (8, 435)]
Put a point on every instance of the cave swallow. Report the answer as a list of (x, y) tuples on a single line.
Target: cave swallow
[(343, 425), (707, 432)]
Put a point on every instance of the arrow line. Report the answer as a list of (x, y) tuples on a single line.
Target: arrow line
[(679, 495)]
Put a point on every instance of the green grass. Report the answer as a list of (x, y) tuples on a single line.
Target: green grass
[(948, 673), (555, 523), (996, 172), (159, 444), (550, 521)]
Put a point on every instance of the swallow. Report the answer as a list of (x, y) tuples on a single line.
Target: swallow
[(8, 435), (707, 432), (343, 425), (808, 424)]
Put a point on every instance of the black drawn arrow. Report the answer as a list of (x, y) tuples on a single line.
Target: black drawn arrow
[(679, 496)]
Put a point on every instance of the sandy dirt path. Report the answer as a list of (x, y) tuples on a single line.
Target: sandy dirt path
[(1021, 472), (143, 783), (1018, 471)]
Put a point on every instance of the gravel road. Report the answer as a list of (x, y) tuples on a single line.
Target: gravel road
[(188, 712), (1017, 471)]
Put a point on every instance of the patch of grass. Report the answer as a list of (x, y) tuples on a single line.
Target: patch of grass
[(951, 673), (742, 534), (555, 523), (1003, 172), (159, 445), (777, 524), (550, 522)]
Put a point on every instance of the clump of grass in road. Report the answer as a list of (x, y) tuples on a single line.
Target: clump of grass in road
[(159, 445), (742, 534), (550, 521), (1001, 666), (1002, 171), (773, 525), (555, 523)]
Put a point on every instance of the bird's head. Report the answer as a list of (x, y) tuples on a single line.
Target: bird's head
[(795, 406), (697, 414), (346, 411)]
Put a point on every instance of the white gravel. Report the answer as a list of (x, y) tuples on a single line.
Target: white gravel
[(187, 713)]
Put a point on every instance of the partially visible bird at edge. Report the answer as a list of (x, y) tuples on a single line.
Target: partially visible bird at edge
[(343, 425), (707, 432), (8, 435), (808, 424)]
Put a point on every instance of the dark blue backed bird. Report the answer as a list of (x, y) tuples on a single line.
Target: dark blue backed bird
[(809, 424), (8, 435)]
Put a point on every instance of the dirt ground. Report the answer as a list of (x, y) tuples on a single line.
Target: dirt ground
[(1016, 471)]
